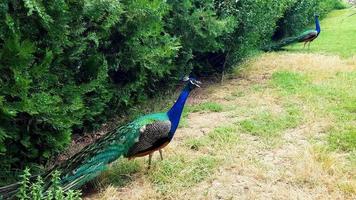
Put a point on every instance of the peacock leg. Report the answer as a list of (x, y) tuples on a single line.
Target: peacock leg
[(305, 44), (309, 45), (160, 153), (149, 161)]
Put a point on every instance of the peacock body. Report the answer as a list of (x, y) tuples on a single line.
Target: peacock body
[(306, 37), (141, 137)]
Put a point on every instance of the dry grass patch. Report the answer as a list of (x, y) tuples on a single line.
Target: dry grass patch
[(318, 170), (316, 65)]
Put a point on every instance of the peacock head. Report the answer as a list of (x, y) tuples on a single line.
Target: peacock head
[(316, 15), (192, 83)]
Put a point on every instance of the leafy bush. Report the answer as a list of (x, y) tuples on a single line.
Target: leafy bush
[(200, 31), (68, 65)]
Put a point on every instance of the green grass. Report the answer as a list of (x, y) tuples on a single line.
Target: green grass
[(218, 139), (180, 172), (289, 82), (119, 173), (196, 143), (257, 87), (267, 124), (224, 136), (334, 98), (337, 35), (238, 94), (234, 95), (205, 107), (343, 141)]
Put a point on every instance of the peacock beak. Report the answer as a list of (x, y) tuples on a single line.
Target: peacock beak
[(196, 83)]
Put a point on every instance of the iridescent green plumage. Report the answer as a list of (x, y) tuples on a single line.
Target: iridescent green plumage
[(93, 159)]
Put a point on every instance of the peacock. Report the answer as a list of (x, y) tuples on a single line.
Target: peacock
[(307, 37), (141, 137)]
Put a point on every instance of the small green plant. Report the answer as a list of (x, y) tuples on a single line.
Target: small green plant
[(25, 182), (37, 190)]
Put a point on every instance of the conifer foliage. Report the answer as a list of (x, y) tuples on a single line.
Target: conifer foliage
[(67, 65)]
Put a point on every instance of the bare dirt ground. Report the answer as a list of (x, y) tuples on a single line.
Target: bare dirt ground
[(289, 166)]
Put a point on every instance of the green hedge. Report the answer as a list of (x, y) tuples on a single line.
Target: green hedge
[(68, 65)]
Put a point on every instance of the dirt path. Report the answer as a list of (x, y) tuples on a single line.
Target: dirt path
[(288, 163)]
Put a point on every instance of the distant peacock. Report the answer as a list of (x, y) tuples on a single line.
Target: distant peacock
[(307, 37), (141, 137)]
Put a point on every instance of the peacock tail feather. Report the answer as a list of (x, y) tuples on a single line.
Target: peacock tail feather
[(92, 160), (288, 41)]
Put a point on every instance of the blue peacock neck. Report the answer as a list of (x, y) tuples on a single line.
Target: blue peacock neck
[(175, 112), (317, 25)]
